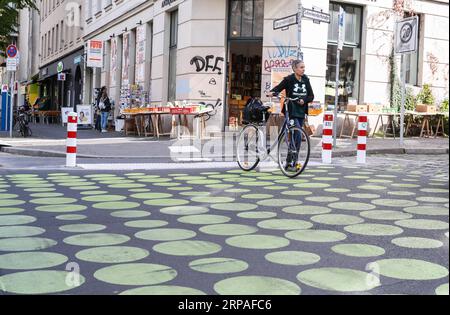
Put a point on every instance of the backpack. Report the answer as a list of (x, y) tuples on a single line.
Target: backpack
[(253, 111)]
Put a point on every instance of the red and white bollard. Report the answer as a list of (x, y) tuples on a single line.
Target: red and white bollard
[(327, 138), (71, 142), (362, 139)]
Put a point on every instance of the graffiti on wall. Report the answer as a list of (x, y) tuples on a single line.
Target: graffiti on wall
[(210, 62), (280, 56)]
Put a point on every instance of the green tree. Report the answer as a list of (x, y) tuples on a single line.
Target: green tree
[(9, 13)]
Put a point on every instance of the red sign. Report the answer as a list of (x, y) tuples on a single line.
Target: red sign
[(11, 51)]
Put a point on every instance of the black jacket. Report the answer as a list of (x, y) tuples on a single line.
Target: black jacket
[(295, 89), (107, 104)]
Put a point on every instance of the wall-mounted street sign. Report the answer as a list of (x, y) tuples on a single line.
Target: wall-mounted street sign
[(316, 16), (406, 35), (11, 64), (61, 76), (60, 67), (285, 22), (11, 51)]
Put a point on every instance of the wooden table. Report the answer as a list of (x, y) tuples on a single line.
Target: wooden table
[(392, 117), (142, 128), (182, 121), (46, 115), (426, 127)]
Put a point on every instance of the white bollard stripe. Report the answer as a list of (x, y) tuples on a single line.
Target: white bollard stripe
[(362, 140), (71, 142), (72, 127)]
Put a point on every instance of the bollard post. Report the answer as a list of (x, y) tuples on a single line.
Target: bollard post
[(327, 138), (362, 139), (71, 142)]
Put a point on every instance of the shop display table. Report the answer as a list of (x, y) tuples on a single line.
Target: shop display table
[(426, 125)]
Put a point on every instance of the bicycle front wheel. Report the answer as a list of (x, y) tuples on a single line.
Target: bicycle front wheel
[(248, 148), (294, 148)]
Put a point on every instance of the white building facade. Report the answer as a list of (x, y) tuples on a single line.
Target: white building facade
[(209, 50)]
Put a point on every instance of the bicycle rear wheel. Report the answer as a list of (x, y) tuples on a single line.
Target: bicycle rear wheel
[(294, 148), (248, 148)]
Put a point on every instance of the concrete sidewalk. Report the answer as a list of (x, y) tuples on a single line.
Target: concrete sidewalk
[(92, 144)]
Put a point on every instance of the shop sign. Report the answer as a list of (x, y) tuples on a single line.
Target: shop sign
[(60, 67), (95, 54), (61, 77), (5, 88)]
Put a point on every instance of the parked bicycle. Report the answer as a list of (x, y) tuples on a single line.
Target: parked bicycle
[(21, 124), (293, 144)]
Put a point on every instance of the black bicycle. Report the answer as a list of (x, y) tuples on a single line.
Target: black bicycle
[(293, 144), (21, 125)]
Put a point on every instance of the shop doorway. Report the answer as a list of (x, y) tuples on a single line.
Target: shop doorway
[(244, 57), (78, 86)]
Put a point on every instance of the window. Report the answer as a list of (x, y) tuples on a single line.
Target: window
[(350, 56), (173, 56), (57, 39), (246, 18)]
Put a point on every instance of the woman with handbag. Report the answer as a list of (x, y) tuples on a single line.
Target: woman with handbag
[(104, 105)]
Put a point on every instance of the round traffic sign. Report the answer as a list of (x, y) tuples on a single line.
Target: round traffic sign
[(11, 51), (406, 32)]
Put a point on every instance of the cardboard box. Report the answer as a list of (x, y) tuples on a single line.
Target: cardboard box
[(375, 108), (422, 108), (357, 108)]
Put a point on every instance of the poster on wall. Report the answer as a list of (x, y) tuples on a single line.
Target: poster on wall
[(126, 59), (113, 67), (140, 54), (65, 111), (84, 114), (95, 54)]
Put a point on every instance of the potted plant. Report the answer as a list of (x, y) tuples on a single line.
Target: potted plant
[(426, 100)]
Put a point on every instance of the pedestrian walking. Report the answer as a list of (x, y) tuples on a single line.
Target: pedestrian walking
[(104, 106)]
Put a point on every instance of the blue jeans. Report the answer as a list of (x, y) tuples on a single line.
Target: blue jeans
[(104, 119), (296, 144)]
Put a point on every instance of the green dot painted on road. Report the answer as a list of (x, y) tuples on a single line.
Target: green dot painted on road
[(256, 285), (163, 290), (71, 217), (423, 224), (204, 182), (151, 196), (442, 289), (293, 258), (228, 229), (352, 206), (400, 203), (316, 236), (165, 234), (379, 181), (279, 202), (296, 193), (146, 224), (112, 254), (166, 202), (417, 242), (20, 231), (410, 269), (61, 208), (406, 185), (204, 219), (428, 210), (371, 187), (337, 190), (432, 199), (53, 201), (339, 279), (276, 187), (238, 191), (10, 210), (136, 274), (257, 215), (8, 196), (16, 219), (116, 205), (219, 186), (195, 193), (46, 195), (307, 209), (39, 282), (285, 224), (326, 179), (212, 199), (10, 202), (356, 177), (372, 229), (337, 219), (258, 241), (184, 210), (167, 184), (116, 182), (154, 180), (238, 180), (222, 176), (25, 244), (257, 196), (322, 199), (40, 189), (103, 198), (31, 260), (364, 196), (234, 206), (257, 184), (130, 214), (76, 184), (385, 215), (180, 188), (312, 185), (93, 193), (96, 239), (186, 178), (82, 228), (434, 190), (401, 193), (139, 190), (358, 250), (187, 248), (126, 185), (218, 265)]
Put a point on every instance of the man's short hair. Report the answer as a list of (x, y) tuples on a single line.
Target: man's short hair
[(295, 63)]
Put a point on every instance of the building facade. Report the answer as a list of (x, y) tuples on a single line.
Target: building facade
[(61, 51), (209, 50)]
